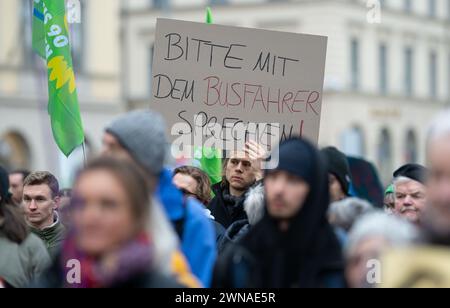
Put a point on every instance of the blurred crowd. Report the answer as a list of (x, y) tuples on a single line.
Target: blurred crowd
[(131, 221)]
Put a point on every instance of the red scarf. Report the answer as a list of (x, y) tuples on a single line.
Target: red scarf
[(132, 259)]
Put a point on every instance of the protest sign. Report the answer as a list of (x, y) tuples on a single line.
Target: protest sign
[(227, 83)]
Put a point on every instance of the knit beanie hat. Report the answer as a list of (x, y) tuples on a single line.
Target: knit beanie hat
[(142, 134)]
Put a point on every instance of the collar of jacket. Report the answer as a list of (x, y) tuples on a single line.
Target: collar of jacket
[(49, 231), (217, 189)]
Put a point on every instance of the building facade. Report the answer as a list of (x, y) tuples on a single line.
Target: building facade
[(386, 75), (25, 135)]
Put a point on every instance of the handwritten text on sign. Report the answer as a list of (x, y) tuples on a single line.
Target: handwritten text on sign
[(209, 76)]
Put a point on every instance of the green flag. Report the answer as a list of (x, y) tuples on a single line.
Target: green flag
[(63, 105), (209, 18), (210, 161)]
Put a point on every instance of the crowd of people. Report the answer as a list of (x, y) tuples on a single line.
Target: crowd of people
[(131, 221)]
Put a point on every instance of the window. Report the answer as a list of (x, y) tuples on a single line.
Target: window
[(408, 6), (432, 8), (77, 32), (411, 147), (14, 151), (352, 142), (408, 78), (218, 2), (355, 64), (433, 75), (448, 9), (383, 69), (160, 4), (27, 36), (384, 155)]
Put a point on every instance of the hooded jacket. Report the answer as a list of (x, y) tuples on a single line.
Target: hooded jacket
[(198, 237), (307, 255)]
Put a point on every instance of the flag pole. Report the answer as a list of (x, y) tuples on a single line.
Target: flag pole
[(84, 152)]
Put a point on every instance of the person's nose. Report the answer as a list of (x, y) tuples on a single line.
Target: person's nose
[(408, 201), (32, 205), (91, 214), (240, 168), (278, 187)]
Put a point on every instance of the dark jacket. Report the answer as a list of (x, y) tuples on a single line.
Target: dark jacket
[(254, 208), (233, 234), (225, 212), (305, 255), (220, 231)]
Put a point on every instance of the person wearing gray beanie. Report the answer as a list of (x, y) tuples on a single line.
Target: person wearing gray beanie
[(142, 134)]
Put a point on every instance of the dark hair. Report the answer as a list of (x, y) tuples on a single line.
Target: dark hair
[(12, 221), (23, 172), (43, 177), (203, 191), (132, 179)]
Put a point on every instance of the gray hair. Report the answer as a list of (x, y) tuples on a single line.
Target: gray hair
[(398, 232), (254, 204), (400, 180), (347, 211), (440, 126)]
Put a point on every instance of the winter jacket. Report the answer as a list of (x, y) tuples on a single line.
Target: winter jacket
[(305, 254), (254, 209), (198, 237), (21, 263), (233, 234), (225, 212), (52, 236)]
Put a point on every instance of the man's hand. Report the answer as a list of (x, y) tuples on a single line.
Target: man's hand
[(257, 154)]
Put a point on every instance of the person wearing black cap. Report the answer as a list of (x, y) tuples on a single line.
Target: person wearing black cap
[(293, 245), (339, 173), (410, 191)]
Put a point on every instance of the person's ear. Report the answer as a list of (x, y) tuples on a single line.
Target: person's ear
[(56, 202)]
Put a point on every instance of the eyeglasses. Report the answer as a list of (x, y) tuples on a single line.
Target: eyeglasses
[(188, 194)]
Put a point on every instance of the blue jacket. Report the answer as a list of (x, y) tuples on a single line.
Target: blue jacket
[(198, 242)]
